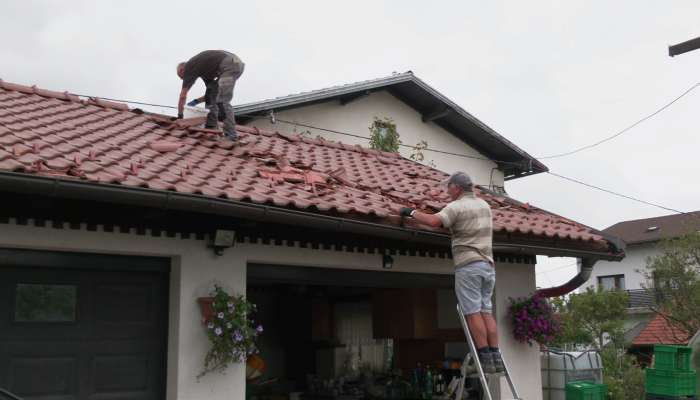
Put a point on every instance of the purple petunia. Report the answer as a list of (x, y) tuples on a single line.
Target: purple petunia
[(237, 336), (210, 325), (218, 331), (259, 329), (220, 315)]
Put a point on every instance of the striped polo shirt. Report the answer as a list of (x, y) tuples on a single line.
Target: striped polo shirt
[(470, 223)]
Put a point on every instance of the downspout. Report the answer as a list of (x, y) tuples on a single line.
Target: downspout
[(574, 283)]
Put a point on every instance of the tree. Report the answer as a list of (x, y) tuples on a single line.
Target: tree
[(592, 318), (674, 275), (595, 319)]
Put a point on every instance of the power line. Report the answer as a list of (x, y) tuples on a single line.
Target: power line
[(400, 144), (461, 155), (667, 105), (615, 193)]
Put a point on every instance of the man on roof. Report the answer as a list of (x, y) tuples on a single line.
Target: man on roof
[(470, 223), (219, 70)]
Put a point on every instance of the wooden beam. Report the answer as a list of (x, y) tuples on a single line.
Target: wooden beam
[(436, 114), (354, 96)]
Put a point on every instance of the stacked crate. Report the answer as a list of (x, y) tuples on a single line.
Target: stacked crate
[(586, 390), (672, 377)]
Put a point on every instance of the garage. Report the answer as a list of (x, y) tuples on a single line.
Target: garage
[(82, 326), (354, 333)]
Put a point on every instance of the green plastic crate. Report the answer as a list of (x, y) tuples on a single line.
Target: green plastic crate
[(672, 357), (586, 390), (671, 383)]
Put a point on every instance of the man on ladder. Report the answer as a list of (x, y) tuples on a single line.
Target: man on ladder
[(469, 220)]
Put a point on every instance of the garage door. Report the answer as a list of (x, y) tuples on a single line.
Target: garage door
[(77, 326)]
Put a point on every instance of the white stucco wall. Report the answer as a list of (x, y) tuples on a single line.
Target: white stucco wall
[(194, 268), (356, 117), (635, 259)]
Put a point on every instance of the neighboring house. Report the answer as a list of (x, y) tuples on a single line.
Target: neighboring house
[(110, 213), (642, 237), (421, 114)]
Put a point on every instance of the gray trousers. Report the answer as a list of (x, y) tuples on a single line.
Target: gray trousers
[(220, 93)]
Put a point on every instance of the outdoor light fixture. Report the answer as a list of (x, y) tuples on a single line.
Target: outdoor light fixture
[(387, 261), (222, 240)]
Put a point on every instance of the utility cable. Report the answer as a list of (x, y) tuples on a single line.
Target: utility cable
[(617, 194), (464, 155), (580, 149)]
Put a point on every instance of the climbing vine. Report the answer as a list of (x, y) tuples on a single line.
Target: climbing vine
[(417, 153), (383, 135)]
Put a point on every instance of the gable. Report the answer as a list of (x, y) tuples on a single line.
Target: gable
[(356, 117)]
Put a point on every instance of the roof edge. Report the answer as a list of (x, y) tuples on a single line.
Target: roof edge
[(75, 189)]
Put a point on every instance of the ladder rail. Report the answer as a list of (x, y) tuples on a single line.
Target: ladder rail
[(480, 371)]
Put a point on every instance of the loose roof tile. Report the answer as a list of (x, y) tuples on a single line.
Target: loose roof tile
[(45, 132)]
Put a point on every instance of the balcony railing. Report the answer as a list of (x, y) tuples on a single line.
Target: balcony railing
[(642, 297)]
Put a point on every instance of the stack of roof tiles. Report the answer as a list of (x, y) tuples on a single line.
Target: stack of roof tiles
[(61, 135)]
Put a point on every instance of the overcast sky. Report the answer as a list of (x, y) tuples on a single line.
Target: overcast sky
[(548, 75)]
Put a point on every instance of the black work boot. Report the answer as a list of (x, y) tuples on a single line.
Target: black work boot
[(497, 361), (486, 362)]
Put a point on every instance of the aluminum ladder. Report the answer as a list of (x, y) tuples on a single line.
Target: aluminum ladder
[(471, 361)]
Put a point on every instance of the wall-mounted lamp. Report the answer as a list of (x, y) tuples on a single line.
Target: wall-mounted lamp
[(222, 240), (387, 261)]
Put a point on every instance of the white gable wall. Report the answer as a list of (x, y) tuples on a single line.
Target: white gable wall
[(356, 117), (632, 266)]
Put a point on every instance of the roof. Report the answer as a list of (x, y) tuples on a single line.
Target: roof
[(430, 103), (58, 135), (660, 331), (655, 229)]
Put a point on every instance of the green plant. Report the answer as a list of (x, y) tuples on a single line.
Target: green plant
[(674, 276), (231, 331), (417, 153), (533, 319), (383, 135), (622, 374), (592, 318)]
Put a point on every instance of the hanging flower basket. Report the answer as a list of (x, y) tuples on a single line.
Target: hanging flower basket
[(533, 320), (231, 331)]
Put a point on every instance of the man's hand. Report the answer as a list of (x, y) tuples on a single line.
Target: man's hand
[(406, 211), (194, 102)]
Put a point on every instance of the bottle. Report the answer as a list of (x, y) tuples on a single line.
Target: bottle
[(428, 384)]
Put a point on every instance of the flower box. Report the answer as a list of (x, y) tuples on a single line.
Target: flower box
[(205, 305)]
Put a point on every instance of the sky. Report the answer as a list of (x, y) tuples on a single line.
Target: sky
[(550, 76)]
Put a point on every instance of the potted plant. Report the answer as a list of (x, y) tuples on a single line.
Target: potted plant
[(230, 329), (533, 320)]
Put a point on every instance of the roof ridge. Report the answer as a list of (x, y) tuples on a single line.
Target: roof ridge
[(327, 88), (653, 218), (65, 96)]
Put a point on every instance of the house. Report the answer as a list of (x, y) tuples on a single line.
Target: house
[(420, 112), (110, 213), (642, 237)]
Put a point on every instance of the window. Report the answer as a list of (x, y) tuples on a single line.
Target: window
[(610, 282), (45, 303)]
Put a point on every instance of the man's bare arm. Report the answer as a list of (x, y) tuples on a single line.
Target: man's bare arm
[(423, 218), (181, 102)]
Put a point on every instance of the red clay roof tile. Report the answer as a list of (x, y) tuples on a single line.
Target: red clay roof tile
[(48, 132), (660, 331)]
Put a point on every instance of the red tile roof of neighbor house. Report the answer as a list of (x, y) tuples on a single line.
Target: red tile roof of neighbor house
[(61, 135), (660, 331)]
